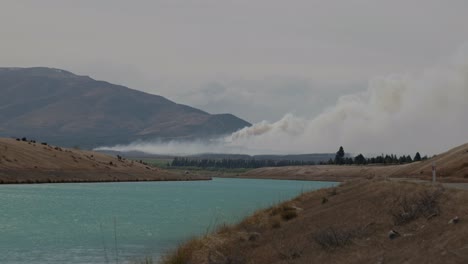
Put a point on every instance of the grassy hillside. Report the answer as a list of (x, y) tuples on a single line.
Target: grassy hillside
[(29, 162), (372, 220), (452, 166), (347, 224)]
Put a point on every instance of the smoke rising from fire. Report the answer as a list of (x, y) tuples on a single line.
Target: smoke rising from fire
[(426, 112)]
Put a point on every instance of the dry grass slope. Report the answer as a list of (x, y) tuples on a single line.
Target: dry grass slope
[(34, 162), (352, 226), (452, 166)]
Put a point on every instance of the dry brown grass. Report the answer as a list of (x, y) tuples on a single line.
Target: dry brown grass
[(27, 162), (286, 211), (351, 227), (183, 254), (411, 206), (331, 237), (452, 166)]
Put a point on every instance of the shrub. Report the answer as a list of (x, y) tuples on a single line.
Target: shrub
[(331, 238), (324, 200), (288, 213), (285, 211), (411, 207)]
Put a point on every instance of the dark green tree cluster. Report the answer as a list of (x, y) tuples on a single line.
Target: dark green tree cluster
[(341, 159), (235, 163)]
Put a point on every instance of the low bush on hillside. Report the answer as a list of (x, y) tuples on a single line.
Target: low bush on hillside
[(331, 238), (412, 206), (285, 211), (289, 214)]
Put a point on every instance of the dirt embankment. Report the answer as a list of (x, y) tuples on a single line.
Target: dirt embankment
[(29, 162), (351, 223), (452, 166)]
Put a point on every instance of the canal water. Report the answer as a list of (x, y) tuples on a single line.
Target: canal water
[(125, 222)]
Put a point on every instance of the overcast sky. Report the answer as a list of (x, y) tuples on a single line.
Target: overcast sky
[(258, 59)]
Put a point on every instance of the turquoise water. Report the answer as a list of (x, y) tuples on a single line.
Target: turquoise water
[(110, 222)]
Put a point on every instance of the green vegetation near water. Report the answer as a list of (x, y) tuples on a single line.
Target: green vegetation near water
[(167, 164)]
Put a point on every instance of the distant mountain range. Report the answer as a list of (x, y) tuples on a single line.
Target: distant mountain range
[(62, 108)]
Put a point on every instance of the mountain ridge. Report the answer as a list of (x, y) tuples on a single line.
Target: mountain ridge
[(68, 109)]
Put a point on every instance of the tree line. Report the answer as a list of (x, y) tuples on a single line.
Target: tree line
[(235, 163), (340, 159)]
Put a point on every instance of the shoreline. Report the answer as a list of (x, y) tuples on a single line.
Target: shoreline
[(85, 176), (299, 229), (324, 179), (29, 162), (105, 181), (342, 173)]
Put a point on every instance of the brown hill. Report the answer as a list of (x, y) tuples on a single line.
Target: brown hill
[(66, 109), (347, 224), (29, 162), (452, 166)]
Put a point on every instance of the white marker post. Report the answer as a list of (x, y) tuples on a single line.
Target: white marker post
[(433, 172)]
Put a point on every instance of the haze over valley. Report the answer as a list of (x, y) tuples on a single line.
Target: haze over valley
[(396, 113), (310, 76), (233, 132)]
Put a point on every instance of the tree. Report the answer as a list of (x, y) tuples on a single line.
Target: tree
[(409, 159), (417, 157), (339, 157), (360, 159), (402, 159)]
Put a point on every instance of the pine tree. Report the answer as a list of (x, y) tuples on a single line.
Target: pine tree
[(417, 157), (339, 157), (409, 159), (360, 159)]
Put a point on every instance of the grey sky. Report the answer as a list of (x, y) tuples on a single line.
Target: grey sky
[(258, 59)]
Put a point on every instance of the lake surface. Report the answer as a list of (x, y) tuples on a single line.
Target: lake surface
[(87, 222)]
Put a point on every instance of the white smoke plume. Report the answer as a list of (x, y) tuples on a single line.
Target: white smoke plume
[(288, 124), (179, 147), (426, 112)]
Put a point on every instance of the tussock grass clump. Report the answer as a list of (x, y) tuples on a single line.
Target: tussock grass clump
[(286, 212), (289, 214), (183, 254), (257, 222), (331, 238), (412, 206), (324, 200), (224, 229)]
